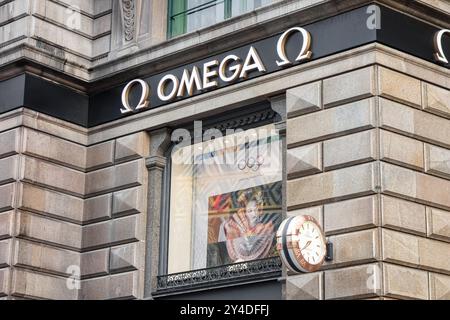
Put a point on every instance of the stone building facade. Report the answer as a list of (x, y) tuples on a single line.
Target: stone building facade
[(85, 192)]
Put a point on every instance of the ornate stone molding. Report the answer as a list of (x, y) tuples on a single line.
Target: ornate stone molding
[(136, 24), (246, 120), (159, 142), (129, 19), (156, 162)]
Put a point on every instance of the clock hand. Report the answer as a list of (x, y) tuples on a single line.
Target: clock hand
[(306, 246)]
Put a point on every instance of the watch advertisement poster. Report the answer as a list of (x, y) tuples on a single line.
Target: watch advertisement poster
[(242, 224)]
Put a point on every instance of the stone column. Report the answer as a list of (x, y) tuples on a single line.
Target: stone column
[(278, 104), (156, 165)]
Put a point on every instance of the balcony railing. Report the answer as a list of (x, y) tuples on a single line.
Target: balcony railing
[(216, 276)]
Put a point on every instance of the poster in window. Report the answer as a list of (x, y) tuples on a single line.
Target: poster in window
[(242, 224)]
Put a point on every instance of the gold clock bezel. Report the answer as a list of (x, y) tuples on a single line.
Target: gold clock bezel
[(293, 246)]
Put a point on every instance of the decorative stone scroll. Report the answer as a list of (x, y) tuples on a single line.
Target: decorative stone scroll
[(129, 19)]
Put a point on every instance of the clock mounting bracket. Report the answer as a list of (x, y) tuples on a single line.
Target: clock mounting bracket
[(329, 256)]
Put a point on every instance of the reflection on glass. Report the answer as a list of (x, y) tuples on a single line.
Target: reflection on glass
[(190, 15), (242, 224), (225, 200), (203, 13), (243, 6)]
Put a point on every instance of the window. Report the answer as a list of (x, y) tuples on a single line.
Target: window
[(225, 199), (189, 15)]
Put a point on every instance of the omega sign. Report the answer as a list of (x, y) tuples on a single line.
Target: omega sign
[(267, 55), (438, 39), (230, 69)]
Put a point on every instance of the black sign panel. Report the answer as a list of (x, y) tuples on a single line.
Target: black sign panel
[(410, 35)]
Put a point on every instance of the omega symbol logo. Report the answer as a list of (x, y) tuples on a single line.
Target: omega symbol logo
[(439, 55), (143, 101), (305, 52)]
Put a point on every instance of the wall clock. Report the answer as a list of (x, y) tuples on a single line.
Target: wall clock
[(301, 244)]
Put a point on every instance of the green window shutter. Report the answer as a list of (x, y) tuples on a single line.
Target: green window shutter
[(177, 18)]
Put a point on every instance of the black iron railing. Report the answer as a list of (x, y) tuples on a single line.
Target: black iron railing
[(216, 276)]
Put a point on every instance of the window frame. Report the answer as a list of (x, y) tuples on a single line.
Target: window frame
[(228, 13), (253, 116)]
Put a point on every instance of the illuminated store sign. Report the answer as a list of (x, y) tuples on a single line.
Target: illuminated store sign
[(228, 70), (438, 43)]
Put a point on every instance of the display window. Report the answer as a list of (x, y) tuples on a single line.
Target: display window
[(225, 200)]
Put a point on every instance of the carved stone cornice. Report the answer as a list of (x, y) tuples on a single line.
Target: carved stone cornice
[(245, 120), (155, 162)]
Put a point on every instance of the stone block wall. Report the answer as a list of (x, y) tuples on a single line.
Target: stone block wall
[(65, 35), (71, 212), (74, 35), (369, 156)]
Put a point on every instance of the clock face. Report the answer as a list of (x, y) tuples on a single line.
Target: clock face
[(311, 243), (301, 244)]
